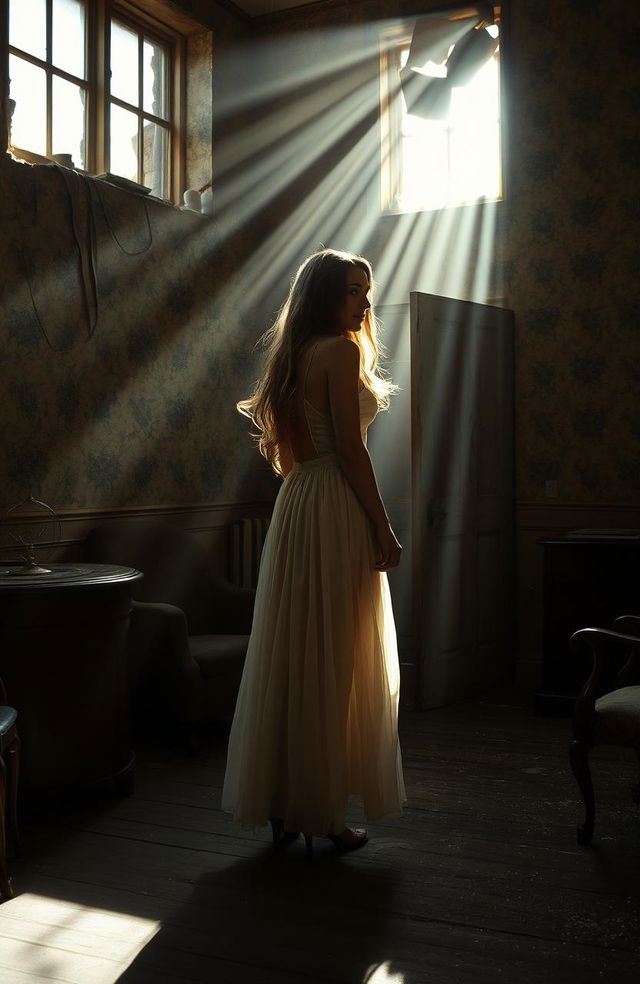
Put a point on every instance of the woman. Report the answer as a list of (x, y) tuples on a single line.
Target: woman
[(316, 716)]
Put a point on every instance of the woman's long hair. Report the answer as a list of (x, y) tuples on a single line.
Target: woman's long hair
[(309, 311)]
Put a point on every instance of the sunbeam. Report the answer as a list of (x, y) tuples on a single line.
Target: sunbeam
[(299, 153), (60, 937), (383, 974)]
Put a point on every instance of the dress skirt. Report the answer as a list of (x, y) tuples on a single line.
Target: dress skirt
[(316, 718)]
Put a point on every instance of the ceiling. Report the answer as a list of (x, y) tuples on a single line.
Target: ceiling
[(257, 7)]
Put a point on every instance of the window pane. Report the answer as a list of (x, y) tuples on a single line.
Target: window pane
[(69, 121), (68, 40), (155, 79), (475, 175), (28, 26), (29, 123), (123, 148), (454, 160), (155, 159), (424, 164), (124, 63), (478, 100)]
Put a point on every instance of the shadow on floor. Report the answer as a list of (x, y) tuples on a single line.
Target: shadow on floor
[(280, 917)]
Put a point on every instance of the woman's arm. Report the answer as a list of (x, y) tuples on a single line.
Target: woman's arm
[(285, 457), (343, 370)]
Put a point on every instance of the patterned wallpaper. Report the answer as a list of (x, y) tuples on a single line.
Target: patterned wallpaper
[(124, 343), (199, 109), (573, 239), (138, 408), (134, 406), (566, 254)]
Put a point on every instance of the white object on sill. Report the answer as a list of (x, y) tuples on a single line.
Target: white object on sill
[(192, 199), (65, 160), (207, 201)]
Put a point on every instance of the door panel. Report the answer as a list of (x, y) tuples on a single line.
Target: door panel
[(462, 496), (390, 448)]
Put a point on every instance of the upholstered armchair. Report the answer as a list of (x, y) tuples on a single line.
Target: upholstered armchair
[(607, 710), (189, 626)]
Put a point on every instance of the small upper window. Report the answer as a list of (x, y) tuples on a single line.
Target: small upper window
[(123, 123), (441, 113)]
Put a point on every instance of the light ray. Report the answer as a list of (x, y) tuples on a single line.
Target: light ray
[(297, 167), (336, 50)]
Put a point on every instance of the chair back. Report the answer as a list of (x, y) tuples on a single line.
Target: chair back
[(175, 565)]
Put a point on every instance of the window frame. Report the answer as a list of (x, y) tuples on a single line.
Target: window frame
[(175, 42), (98, 16), (392, 40), (52, 71)]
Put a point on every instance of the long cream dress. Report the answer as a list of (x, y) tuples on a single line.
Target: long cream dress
[(316, 718)]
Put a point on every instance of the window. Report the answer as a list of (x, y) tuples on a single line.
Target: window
[(139, 129), (47, 68), (440, 118), (123, 118)]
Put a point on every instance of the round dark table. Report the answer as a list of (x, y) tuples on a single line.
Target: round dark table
[(63, 659)]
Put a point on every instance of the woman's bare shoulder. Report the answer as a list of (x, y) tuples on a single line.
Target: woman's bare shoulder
[(339, 348)]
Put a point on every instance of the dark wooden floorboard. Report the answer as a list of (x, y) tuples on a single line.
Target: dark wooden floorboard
[(479, 881)]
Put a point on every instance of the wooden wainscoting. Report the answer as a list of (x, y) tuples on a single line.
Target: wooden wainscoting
[(534, 522), (209, 522)]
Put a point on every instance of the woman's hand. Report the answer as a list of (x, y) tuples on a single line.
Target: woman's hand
[(388, 549)]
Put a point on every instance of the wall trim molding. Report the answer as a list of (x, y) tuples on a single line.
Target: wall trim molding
[(595, 506), (576, 515), (535, 521), (206, 520), (154, 509)]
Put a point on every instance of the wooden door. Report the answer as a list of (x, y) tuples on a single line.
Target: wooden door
[(390, 448), (462, 496)]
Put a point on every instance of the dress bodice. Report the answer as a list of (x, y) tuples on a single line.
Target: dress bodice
[(321, 424)]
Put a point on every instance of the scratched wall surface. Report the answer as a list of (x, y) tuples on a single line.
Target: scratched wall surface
[(566, 252), (118, 387), (136, 405)]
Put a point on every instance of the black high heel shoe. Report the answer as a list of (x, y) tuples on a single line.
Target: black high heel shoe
[(281, 837), (276, 829), (349, 840)]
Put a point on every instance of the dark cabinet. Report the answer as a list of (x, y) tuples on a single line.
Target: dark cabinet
[(587, 582), (63, 660)]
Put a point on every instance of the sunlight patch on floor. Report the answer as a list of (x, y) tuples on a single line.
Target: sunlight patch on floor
[(382, 974), (47, 939)]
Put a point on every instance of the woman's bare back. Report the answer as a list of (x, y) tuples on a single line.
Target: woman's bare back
[(312, 386)]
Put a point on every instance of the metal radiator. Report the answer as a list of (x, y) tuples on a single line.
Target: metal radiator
[(246, 539)]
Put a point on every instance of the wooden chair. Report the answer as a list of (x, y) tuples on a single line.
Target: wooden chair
[(9, 761), (607, 710)]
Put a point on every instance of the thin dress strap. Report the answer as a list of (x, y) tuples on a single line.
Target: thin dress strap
[(306, 374), (305, 402)]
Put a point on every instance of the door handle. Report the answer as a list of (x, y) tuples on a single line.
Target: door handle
[(434, 515)]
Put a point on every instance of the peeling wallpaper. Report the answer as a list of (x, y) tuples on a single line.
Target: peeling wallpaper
[(199, 110), (566, 237), (138, 407), (574, 253)]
